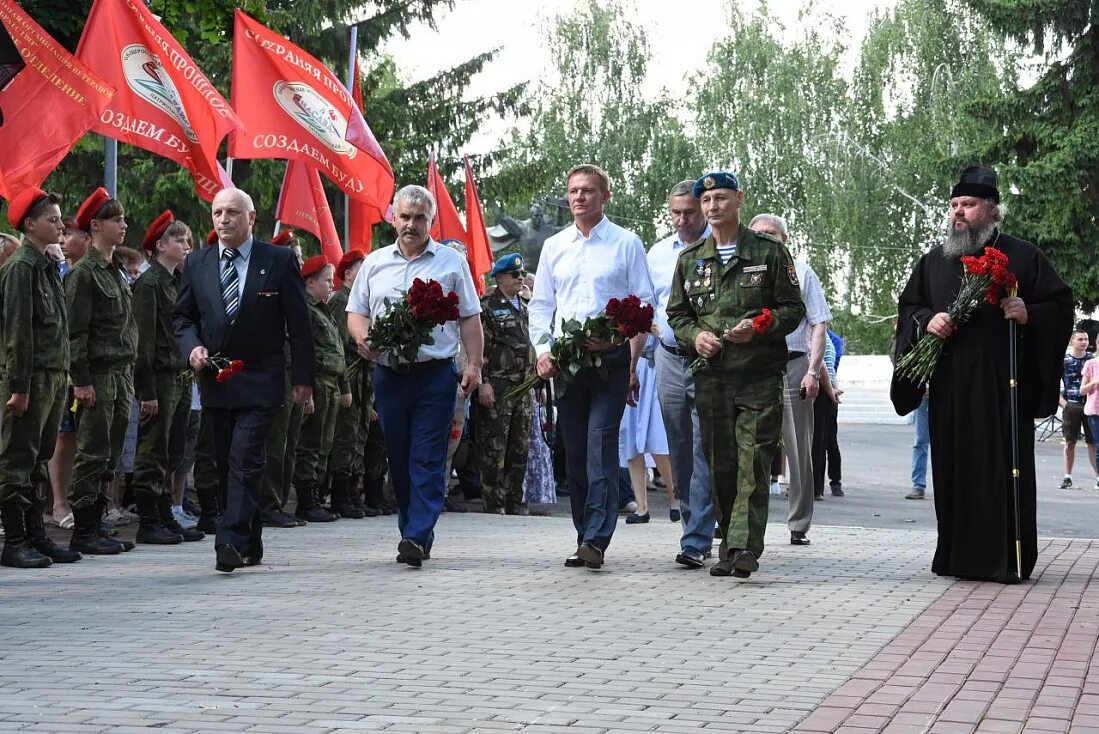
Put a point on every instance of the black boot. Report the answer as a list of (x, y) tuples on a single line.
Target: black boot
[(18, 552), (168, 520), (36, 535), (356, 488), (373, 489), (105, 529), (308, 509), (210, 514), (341, 498), (86, 538), (152, 530)]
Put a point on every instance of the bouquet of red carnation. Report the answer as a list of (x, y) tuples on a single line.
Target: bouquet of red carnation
[(760, 325), (407, 324), (227, 369), (620, 320), (986, 278)]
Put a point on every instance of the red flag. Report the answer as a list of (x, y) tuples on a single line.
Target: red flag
[(302, 204), (164, 104), (361, 215), (292, 106), (478, 251), (447, 224), (47, 108)]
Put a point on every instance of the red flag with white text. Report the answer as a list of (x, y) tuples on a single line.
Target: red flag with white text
[(47, 108), (292, 106), (478, 251), (302, 204), (164, 103)]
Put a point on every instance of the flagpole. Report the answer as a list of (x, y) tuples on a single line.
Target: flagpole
[(278, 203), (229, 167), (1013, 385), (351, 81), (110, 166)]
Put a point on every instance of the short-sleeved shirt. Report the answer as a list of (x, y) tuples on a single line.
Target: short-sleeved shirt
[(1072, 376), (1091, 372), (816, 308), (388, 274)]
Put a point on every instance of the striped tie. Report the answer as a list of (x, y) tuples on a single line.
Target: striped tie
[(230, 286)]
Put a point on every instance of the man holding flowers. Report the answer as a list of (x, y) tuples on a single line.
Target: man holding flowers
[(581, 269), (953, 333), (735, 296), (410, 304)]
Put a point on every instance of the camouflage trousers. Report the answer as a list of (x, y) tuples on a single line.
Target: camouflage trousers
[(26, 442), (282, 445), (741, 422), (503, 441), (349, 441), (100, 433), (315, 436), (161, 438)]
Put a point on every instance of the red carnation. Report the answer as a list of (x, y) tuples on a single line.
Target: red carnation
[(762, 323)]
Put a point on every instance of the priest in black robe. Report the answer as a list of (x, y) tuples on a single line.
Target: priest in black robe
[(970, 409)]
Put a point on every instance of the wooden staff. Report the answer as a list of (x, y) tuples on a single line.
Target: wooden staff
[(1013, 384)]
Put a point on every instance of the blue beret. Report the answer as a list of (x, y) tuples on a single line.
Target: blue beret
[(716, 180), (512, 263)]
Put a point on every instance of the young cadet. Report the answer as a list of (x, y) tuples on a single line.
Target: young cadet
[(162, 382), (330, 392), (103, 344), (35, 352)]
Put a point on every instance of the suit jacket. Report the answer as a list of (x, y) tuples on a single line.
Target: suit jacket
[(272, 311)]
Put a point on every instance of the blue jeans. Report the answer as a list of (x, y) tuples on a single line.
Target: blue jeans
[(415, 410), (920, 447)]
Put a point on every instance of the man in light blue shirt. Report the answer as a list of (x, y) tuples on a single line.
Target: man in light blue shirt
[(415, 403), (675, 385), (581, 268)]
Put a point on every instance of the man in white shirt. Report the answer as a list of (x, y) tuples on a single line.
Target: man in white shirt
[(675, 385), (805, 348), (415, 403), (581, 268)]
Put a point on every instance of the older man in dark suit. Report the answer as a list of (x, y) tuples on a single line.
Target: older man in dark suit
[(241, 300)]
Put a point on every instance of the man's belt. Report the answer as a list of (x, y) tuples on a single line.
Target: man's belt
[(673, 350), (426, 364), (791, 356)]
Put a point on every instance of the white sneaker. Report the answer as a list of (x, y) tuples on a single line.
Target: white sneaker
[(631, 506), (185, 521)]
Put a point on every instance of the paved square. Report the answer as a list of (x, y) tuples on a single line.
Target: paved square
[(493, 634)]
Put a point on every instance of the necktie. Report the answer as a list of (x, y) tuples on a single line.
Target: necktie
[(230, 285)]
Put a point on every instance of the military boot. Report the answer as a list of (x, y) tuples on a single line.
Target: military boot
[(36, 536), (105, 529), (341, 498), (18, 552), (168, 520), (308, 509), (151, 529), (86, 538), (210, 513), (374, 491), (355, 488)]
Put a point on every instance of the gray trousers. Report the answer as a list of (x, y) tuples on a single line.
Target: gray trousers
[(797, 436), (690, 471)]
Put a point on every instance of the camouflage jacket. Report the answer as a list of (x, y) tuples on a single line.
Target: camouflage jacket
[(509, 356), (34, 321), (102, 332)]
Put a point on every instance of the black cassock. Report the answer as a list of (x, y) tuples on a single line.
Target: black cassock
[(969, 411)]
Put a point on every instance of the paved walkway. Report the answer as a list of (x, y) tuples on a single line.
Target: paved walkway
[(494, 634)]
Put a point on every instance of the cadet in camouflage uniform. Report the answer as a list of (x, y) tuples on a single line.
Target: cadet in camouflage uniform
[(345, 463), (721, 283), (503, 426), (162, 382), (330, 392), (103, 343), (34, 347)]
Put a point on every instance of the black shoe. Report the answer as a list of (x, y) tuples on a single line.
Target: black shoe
[(674, 515), (722, 568), (36, 536), (168, 521), (369, 511), (23, 555), (276, 519), (590, 555), (349, 511), (314, 514), (634, 519), (451, 506), (798, 538), (744, 563), (228, 559), (401, 558), (86, 536), (251, 560), (411, 551), (690, 559), (837, 491), (157, 535), (574, 561)]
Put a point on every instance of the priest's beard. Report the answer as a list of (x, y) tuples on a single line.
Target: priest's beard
[(966, 241)]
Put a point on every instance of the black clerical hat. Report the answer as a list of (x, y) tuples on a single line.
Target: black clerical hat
[(977, 181)]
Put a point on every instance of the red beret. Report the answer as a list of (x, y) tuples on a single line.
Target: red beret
[(87, 211), (283, 237), (156, 230), (313, 265), (22, 204), (349, 258), (212, 237)]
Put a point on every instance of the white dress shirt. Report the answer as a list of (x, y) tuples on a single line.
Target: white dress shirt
[(244, 253), (816, 308), (577, 275), (662, 258), (387, 273)]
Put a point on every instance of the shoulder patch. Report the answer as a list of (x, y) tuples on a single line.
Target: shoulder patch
[(793, 273)]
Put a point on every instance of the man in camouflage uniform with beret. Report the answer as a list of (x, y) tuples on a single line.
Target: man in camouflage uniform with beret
[(721, 285), (504, 426)]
